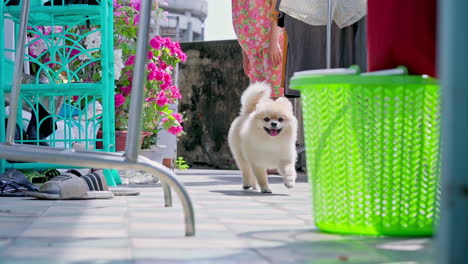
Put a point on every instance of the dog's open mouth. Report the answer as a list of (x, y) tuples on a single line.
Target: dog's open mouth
[(273, 131)]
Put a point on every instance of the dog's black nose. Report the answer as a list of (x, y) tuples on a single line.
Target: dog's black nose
[(273, 124)]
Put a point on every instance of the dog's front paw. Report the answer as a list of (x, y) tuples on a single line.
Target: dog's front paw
[(246, 186), (289, 175), (289, 182), (266, 190)]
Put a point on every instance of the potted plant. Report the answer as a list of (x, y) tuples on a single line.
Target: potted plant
[(83, 50), (159, 90)]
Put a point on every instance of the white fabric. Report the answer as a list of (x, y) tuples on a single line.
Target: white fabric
[(348, 12), (93, 110), (72, 131), (315, 12), (83, 126), (26, 116)]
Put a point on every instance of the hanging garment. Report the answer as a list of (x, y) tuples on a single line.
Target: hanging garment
[(315, 12), (306, 44), (402, 33), (306, 48)]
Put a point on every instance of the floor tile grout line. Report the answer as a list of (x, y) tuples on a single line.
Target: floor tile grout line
[(18, 236)]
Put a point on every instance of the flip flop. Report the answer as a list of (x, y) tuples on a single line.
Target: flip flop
[(68, 186), (13, 183)]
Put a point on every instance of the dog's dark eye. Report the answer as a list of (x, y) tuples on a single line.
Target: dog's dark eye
[(280, 119), (266, 119)]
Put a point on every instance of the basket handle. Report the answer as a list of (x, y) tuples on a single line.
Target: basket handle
[(400, 70), (352, 70)]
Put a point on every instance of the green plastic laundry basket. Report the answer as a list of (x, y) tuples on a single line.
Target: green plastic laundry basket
[(373, 154)]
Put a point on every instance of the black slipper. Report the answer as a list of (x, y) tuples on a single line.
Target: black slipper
[(13, 183)]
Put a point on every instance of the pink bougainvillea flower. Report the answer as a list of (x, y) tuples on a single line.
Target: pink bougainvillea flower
[(117, 13), (178, 117), (175, 130), (181, 55), (130, 61), (119, 100), (162, 64), (46, 61), (167, 41), (136, 4), (129, 75), (159, 75), (126, 90), (150, 55), (74, 52), (137, 19), (172, 48), (47, 30), (161, 99), (154, 73), (167, 77), (152, 66), (175, 93), (37, 46), (156, 42), (165, 86), (150, 99)]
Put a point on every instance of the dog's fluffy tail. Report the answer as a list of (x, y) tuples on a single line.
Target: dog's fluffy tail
[(254, 93)]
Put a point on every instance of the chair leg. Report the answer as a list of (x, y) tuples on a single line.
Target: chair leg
[(168, 179), (167, 194)]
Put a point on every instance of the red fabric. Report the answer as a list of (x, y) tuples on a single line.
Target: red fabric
[(402, 32)]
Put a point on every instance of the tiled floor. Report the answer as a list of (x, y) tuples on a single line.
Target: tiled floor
[(233, 226)]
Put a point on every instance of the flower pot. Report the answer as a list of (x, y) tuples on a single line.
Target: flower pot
[(170, 141), (121, 139)]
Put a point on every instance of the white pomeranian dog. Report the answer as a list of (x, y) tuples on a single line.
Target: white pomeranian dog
[(263, 137)]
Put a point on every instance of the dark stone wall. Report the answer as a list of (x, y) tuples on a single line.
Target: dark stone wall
[(211, 82)]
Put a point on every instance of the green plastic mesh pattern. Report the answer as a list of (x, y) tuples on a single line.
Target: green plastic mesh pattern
[(372, 154)]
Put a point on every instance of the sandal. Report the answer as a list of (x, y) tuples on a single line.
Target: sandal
[(117, 191), (13, 183), (69, 186)]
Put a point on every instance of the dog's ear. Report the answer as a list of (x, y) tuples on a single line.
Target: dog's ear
[(285, 101)]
